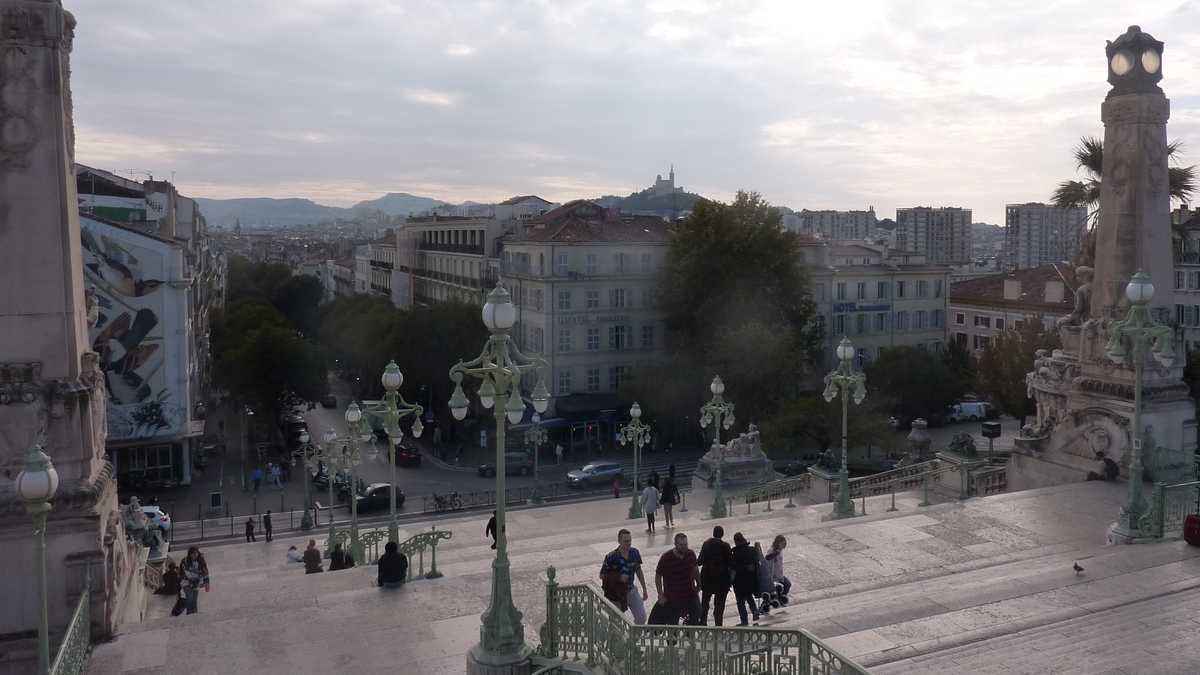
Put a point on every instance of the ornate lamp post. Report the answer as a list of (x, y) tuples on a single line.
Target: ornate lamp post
[(352, 456), (535, 437), (303, 456), (637, 433), (1128, 341), (36, 484), (329, 457), (845, 379), (500, 366), (718, 412), (394, 408)]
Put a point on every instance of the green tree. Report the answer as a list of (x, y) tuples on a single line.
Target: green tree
[(961, 362), (1005, 362), (299, 299), (913, 383), (808, 425)]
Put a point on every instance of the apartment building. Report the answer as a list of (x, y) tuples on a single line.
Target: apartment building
[(1186, 287), (1036, 234), (584, 279), (983, 308), (442, 258), (942, 234), (834, 225), (879, 298)]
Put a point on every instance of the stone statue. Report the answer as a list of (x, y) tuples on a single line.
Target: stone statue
[(1083, 299), (962, 444)]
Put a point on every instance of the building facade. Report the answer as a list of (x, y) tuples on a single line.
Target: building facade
[(942, 234), (1186, 234), (584, 279), (1036, 234), (448, 258), (878, 298), (834, 225), (984, 307)]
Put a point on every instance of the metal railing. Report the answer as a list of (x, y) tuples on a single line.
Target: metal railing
[(1170, 505), (779, 489), (905, 478), (553, 669), (76, 645), (582, 626), (374, 539)]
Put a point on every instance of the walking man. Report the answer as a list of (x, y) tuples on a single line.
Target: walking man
[(745, 580), (677, 580), (558, 452), (490, 530), (250, 530), (267, 525), (621, 567), (716, 561)]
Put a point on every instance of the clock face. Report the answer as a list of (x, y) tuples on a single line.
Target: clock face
[(1151, 61), (1121, 63)]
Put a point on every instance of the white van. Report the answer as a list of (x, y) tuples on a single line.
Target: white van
[(970, 411)]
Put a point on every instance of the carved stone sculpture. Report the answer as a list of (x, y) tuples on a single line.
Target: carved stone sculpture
[(1083, 299)]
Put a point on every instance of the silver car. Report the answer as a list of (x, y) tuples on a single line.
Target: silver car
[(596, 473)]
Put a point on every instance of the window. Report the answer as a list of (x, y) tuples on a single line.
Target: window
[(563, 265), (839, 324), (922, 288), (880, 322), (983, 321), (593, 299), (999, 324), (862, 291), (960, 318), (593, 339), (591, 263), (647, 337), (981, 342), (646, 264), (616, 297), (564, 381), (615, 373), (841, 290), (1178, 280), (593, 383), (820, 292), (537, 299), (860, 324), (901, 320), (616, 338), (564, 299), (939, 318), (619, 262), (1193, 281), (1018, 324), (565, 340), (919, 319), (900, 289), (883, 290), (939, 288), (539, 336)]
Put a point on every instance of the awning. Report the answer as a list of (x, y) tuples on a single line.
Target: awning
[(590, 406)]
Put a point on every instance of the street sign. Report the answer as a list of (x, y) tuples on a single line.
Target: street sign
[(991, 430)]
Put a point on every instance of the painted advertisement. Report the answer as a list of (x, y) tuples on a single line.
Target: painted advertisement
[(130, 273)]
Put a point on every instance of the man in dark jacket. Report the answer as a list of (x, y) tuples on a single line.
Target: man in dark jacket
[(339, 559), (393, 566), (715, 561), (267, 525), (745, 579), (312, 558)]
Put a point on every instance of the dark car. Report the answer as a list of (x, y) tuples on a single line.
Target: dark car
[(329, 401), (375, 498), (514, 463), (406, 456), (596, 473)]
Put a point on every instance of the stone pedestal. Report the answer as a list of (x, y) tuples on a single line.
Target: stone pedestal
[(823, 481), (742, 462), (480, 662)]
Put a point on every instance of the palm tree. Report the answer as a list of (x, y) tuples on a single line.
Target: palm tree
[(1089, 156)]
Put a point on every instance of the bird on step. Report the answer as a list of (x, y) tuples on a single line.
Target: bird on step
[(1077, 568)]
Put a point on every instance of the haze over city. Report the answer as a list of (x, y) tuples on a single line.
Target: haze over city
[(828, 105)]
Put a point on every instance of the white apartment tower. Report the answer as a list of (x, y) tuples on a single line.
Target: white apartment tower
[(1036, 234), (942, 234)]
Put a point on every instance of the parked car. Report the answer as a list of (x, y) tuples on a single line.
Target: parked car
[(156, 517), (971, 411), (596, 473), (406, 456), (514, 463), (375, 498), (329, 401)]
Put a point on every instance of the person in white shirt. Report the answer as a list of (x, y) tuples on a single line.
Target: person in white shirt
[(650, 503), (294, 555)]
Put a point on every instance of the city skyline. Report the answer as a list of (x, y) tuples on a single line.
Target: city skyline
[(892, 105)]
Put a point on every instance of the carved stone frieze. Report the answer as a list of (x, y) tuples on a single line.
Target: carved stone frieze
[(1136, 109)]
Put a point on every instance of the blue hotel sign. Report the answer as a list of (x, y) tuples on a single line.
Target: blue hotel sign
[(845, 307)]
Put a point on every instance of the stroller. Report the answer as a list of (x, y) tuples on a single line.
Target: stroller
[(769, 591)]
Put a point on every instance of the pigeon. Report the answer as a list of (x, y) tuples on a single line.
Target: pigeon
[(1077, 568)]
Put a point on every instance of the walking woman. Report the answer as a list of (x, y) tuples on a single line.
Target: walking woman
[(194, 571), (668, 498)]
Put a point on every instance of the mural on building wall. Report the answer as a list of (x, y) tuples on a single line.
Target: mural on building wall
[(128, 334)]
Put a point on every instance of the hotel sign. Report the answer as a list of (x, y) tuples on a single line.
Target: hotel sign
[(842, 307), (578, 319)]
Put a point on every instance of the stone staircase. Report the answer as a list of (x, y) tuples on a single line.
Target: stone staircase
[(893, 590)]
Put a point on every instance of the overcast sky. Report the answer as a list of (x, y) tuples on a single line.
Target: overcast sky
[(972, 103)]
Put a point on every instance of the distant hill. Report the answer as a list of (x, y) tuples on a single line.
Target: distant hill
[(399, 204), (646, 202), (268, 211), (886, 224)]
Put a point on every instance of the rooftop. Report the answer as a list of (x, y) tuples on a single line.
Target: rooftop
[(585, 221), (521, 198), (990, 289)]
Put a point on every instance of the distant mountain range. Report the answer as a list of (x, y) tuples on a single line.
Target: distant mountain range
[(269, 211), (648, 202)]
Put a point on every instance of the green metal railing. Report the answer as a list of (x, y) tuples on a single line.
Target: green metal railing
[(373, 540), (582, 626), (779, 489), (1170, 505), (76, 645)]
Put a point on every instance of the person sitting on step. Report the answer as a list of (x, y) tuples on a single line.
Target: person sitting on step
[(393, 567)]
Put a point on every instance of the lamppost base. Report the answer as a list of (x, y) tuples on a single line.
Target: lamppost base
[(718, 508), (483, 662), (306, 521), (1120, 534), (843, 510), (635, 511)]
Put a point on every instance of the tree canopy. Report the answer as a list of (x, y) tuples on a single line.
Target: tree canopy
[(914, 383), (1005, 362)]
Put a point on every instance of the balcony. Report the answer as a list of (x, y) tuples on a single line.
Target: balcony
[(450, 248), (381, 264), (1187, 257)]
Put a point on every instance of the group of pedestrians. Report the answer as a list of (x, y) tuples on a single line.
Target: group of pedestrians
[(688, 585), (664, 494), (185, 580), (274, 474), (268, 532)]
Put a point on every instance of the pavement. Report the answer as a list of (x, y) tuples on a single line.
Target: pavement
[(984, 585)]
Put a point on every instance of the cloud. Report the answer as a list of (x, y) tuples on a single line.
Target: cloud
[(888, 103)]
